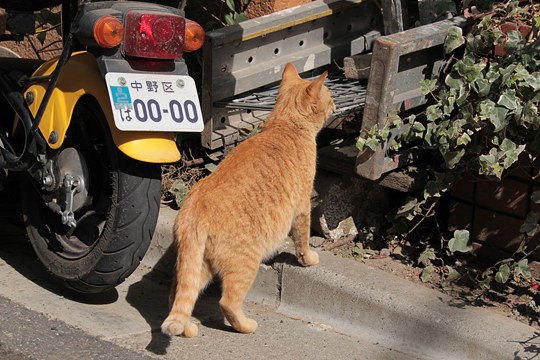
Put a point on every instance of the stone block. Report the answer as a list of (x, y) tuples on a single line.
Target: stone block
[(342, 205)]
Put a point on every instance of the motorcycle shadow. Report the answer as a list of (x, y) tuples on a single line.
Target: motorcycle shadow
[(17, 252), (150, 296)]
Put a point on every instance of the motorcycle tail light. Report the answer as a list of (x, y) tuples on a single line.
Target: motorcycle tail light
[(194, 36), (108, 31), (154, 35)]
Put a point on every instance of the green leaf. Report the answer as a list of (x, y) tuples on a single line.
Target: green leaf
[(418, 127), (453, 80), (508, 99), (372, 143), (511, 152), (452, 158), (514, 42), (482, 86), (394, 119), (427, 86), (470, 68), (358, 251), (452, 275), (487, 107), (426, 256), (522, 269), (180, 190), (533, 80), (485, 284), (230, 5), (229, 19), (535, 197), (426, 273), (454, 39), (460, 242), (498, 118), (503, 274), (241, 17), (409, 209), (433, 113), (463, 139), (530, 226)]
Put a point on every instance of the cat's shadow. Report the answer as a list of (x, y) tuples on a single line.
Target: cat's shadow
[(150, 296), (283, 257)]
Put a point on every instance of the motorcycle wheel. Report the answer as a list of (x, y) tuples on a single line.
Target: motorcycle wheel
[(117, 220)]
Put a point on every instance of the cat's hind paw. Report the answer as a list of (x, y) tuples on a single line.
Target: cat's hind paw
[(310, 258), (246, 327)]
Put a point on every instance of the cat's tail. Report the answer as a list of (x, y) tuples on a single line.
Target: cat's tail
[(187, 282)]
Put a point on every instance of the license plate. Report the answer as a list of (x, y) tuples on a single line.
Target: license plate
[(154, 102)]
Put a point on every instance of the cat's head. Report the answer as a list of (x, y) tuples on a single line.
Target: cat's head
[(311, 99)]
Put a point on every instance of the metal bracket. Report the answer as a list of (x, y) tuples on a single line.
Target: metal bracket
[(244, 57)]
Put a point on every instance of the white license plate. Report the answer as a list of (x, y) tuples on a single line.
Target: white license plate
[(154, 102)]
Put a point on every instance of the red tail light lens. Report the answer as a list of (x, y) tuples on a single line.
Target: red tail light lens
[(154, 35)]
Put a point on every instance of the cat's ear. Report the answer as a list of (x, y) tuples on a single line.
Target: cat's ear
[(290, 73), (315, 87)]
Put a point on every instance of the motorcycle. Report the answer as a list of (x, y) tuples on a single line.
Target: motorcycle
[(88, 130)]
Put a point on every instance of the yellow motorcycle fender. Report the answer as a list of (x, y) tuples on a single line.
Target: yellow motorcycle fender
[(80, 77)]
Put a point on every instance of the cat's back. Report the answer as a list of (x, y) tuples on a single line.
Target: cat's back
[(270, 168)]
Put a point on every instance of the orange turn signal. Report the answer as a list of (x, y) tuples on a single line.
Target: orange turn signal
[(194, 38), (108, 31)]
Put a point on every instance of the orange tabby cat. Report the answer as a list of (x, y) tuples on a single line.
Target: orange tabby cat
[(243, 211)]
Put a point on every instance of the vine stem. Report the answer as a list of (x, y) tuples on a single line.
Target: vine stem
[(428, 214)]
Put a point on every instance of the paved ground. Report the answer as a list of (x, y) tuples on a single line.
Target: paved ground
[(339, 309), (40, 320)]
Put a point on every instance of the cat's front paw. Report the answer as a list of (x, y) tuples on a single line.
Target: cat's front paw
[(310, 258), (173, 327)]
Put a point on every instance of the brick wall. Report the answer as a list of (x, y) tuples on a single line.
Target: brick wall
[(493, 212)]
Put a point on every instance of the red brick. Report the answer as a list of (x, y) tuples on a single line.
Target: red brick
[(522, 169), (460, 216), (531, 244), (484, 251), (508, 196), (497, 230), (464, 189)]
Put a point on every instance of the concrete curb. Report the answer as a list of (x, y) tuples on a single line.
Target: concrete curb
[(375, 305)]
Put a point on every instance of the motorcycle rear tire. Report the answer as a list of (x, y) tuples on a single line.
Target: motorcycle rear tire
[(131, 191)]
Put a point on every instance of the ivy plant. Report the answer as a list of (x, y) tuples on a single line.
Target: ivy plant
[(236, 13), (483, 118)]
